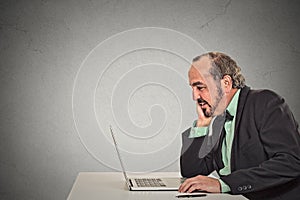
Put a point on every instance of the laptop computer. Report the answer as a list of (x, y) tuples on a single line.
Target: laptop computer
[(147, 184)]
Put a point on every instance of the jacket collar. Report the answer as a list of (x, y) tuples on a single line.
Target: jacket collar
[(241, 103)]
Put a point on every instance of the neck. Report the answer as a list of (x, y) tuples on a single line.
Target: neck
[(231, 94)]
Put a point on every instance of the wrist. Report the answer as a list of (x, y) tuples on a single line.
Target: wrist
[(224, 187)]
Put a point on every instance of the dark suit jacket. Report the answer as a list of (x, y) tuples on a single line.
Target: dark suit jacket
[(265, 157)]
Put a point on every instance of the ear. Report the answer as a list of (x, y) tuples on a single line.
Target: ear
[(227, 82)]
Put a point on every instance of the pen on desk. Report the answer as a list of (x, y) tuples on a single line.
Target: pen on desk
[(190, 195)]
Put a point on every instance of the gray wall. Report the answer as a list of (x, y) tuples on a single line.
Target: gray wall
[(61, 87)]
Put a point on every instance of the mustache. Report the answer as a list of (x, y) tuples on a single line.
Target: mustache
[(202, 101)]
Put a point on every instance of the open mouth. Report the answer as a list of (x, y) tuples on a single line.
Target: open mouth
[(202, 102)]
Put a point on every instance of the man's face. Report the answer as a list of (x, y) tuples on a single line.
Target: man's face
[(206, 91)]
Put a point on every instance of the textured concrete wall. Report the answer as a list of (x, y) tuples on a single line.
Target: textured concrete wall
[(61, 87)]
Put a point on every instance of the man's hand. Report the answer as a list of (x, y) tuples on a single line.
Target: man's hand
[(199, 182), (202, 119)]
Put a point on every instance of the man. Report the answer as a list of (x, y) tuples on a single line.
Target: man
[(257, 151)]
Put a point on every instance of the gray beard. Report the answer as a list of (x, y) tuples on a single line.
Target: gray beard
[(214, 107)]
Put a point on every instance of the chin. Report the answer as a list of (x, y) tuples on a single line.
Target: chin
[(207, 113)]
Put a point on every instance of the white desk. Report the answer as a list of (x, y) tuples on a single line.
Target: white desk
[(111, 185)]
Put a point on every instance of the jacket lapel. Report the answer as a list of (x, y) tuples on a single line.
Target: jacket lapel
[(240, 108), (241, 103)]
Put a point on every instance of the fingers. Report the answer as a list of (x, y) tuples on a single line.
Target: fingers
[(202, 119), (199, 111), (199, 182), (190, 185)]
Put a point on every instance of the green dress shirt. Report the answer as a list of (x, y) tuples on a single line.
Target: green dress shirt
[(227, 142)]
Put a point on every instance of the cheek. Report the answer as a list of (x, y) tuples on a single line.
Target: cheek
[(206, 96), (212, 89)]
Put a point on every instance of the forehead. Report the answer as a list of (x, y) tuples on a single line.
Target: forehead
[(199, 70)]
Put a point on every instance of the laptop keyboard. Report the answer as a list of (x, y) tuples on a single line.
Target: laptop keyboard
[(149, 182)]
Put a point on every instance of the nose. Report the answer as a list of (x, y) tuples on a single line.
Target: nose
[(196, 94)]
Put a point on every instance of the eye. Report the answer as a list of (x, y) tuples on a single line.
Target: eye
[(200, 88)]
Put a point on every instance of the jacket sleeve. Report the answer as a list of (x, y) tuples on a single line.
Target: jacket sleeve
[(190, 162), (279, 135)]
